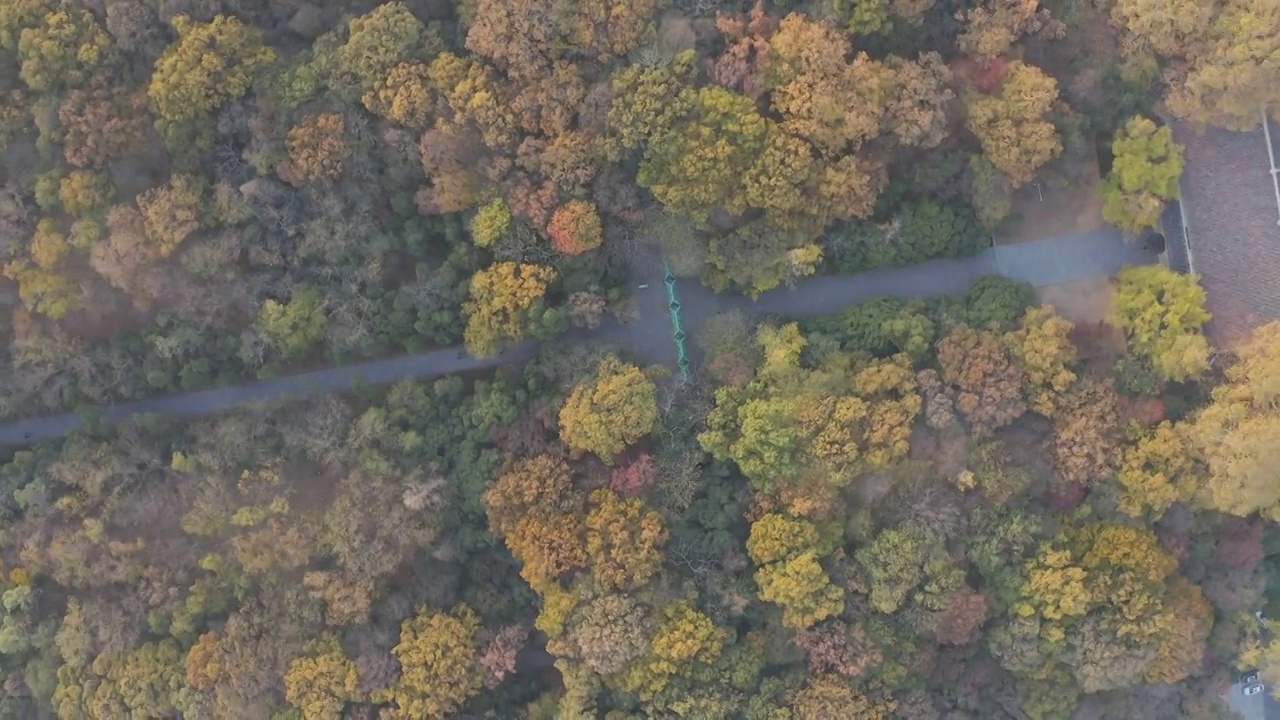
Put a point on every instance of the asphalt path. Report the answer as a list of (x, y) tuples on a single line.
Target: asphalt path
[(648, 336)]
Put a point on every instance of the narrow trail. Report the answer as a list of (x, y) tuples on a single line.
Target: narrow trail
[(1044, 262)]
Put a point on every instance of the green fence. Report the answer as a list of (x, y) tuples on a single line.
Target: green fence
[(677, 324)]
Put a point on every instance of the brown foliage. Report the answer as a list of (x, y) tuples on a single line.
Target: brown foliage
[(1239, 544), (636, 478), (317, 149), (500, 650), (100, 123), (837, 647), (985, 382), (1087, 435), (742, 66), (575, 228), (961, 621), (450, 156)]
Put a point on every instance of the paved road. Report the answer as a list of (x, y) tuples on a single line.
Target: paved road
[(1043, 262)]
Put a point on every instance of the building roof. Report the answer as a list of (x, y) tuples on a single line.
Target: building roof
[(1232, 210)]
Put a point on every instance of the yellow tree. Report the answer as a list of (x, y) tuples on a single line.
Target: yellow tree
[(624, 540), (63, 49), (1235, 434), (1144, 175), (1043, 348), (790, 573), (1158, 470), (609, 411), (1162, 313), (210, 64), (439, 661), (502, 297), (1013, 127), (322, 681), (171, 212), (1228, 70), (317, 149)]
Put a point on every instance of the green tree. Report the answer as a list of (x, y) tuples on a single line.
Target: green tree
[(1162, 313), (698, 166), (83, 192), (294, 328), (1144, 175), (609, 411), (491, 221)]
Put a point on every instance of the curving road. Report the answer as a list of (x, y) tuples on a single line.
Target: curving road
[(1045, 262)]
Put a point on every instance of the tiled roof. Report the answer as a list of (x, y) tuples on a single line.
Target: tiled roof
[(1231, 211)]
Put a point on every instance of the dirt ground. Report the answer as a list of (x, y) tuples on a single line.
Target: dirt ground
[(1085, 304), (1067, 208)]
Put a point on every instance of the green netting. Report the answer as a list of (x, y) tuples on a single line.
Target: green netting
[(677, 325)]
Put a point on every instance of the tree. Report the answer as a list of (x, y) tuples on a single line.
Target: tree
[(83, 192), (540, 486), (1012, 126), (63, 49), (1225, 74), (790, 574), (575, 228), (624, 540), (404, 95), (1043, 348), (534, 507), (686, 644), (984, 378), (41, 284), (322, 681), (992, 26), (990, 192), (1162, 313), (1144, 175), (919, 97), (210, 64), (827, 696), (294, 328), (609, 411), (172, 212), (698, 166), (609, 632), (440, 663), (1087, 433), (378, 42), (1233, 435), (317, 149), (759, 256), (100, 123), (897, 562), (490, 223), (999, 300), (830, 102), (1158, 470), (503, 296), (127, 257)]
